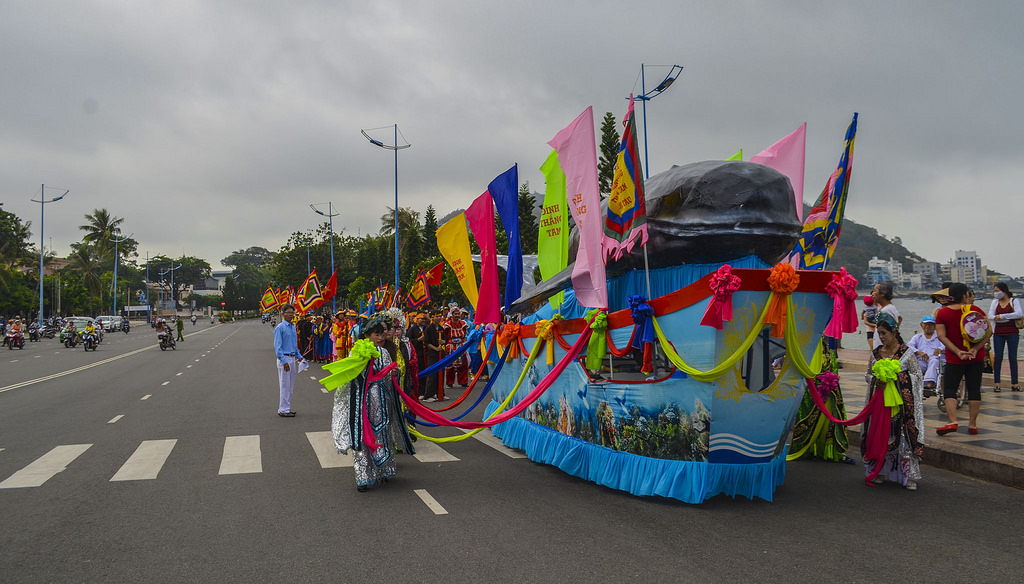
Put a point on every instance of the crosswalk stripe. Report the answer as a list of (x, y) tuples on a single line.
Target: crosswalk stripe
[(326, 453), (488, 438), (427, 451), (432, 503), (45, 467), (242, 455), (115, 418), (146, 462)]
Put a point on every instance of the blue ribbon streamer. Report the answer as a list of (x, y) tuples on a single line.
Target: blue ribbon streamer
[(471, 338), (487, 389), (642, 313)]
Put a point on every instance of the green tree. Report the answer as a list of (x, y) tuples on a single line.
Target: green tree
[(609, 153), (14, 249), (100, 228), (84, 262), (192, 270), (430, 233), (528, 226)]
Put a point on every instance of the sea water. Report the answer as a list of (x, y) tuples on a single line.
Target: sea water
[(911, 309)]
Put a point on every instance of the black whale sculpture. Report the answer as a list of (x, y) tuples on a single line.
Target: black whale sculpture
[(704, 212)]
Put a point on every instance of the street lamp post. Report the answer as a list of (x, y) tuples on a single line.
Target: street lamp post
[(330, 214), (396, 147), (644, 97), (117, 257), (42, 221), (172, 269)]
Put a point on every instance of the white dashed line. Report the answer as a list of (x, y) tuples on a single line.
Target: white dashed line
[(432, 504), (37, 356), (15, 361), (165, 383), (115, 418), (177, 374), (145, 397), (323, 389), (188, 367)]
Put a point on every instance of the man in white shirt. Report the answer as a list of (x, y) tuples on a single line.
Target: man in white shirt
[(930, 351)]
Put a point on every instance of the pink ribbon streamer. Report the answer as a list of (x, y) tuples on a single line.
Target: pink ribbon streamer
[(368, 438), (433, 417), (723, 283), (843, 290), (877, 440)]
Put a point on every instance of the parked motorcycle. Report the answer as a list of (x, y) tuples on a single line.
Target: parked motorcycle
[(90, 340), (48, 332), (13, 338)]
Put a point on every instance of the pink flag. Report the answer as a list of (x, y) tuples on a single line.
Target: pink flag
[(577, 155), (787, 156), (480, 216)]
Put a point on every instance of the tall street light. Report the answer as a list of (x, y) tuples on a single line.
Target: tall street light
[(396, 147), (646, 96), (117, 257), (42, 221), (171, 270), (330, 214)]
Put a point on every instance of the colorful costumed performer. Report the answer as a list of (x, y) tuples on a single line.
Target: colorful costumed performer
[(455, 330), (363, 413)]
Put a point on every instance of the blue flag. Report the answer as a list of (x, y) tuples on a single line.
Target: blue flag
[(505, 192)]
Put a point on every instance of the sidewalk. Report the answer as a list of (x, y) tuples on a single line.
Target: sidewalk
[(995, 454)]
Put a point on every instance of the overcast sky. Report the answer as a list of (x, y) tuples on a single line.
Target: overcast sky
[(211, 126)]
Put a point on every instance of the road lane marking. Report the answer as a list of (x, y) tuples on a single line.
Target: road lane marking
[(45, 467), (488, 438), (427, 451), (432, 504), (37, 356), (188, 367), (313, 377), (15, 361), (115, 418), (197, 360), (323, 390), (326, 453), (145, 397), (242, 455), (164, 383), (75, 370), (177, 374), (146, 462)]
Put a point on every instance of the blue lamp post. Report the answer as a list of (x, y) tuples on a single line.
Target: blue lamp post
[(646, 96), (396, 147), (117, 241), (42, 222)]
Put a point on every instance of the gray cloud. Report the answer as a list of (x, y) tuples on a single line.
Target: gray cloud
[(211, 126)]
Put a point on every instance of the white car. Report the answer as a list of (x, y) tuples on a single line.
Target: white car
[(110, 323)]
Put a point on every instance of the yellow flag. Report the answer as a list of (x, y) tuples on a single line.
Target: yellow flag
[(738, 156), (453, 243)]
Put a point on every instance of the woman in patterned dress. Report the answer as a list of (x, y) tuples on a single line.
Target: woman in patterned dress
[(363, 413), (902, 462)]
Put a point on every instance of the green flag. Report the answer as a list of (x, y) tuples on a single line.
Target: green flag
[(553, 237), (738, 156)]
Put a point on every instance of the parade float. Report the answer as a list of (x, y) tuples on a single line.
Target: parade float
[(688, 384)]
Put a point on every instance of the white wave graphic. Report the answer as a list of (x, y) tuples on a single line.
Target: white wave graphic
[(741, 445)]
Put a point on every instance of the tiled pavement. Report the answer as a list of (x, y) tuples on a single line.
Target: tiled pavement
[(996, 453)]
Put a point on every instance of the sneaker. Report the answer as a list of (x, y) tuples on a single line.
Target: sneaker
[(911, 485), (430, 400)]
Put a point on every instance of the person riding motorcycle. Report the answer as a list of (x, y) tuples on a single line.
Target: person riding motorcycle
[(69, 332), (163, 329), (90, 330), (194, 319)]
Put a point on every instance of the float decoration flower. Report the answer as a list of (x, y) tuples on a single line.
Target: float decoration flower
[(843, 291), (722, 283), (782, 281)]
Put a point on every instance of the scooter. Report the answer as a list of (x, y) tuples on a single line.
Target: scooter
[(70, 339), (14, 338), (48, 332), (33, 332), (166, 340), (126, 326), (90, 340)]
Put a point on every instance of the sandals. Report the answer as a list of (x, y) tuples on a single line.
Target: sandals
[(911, 485), (1015, 388), (997, 389), (943, 430)]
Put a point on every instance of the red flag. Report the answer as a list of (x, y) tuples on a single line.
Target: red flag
[(433, 275), (331, 287)]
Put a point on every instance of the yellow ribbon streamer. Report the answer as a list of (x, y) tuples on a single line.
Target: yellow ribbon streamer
[(886, 370), (793, 351), (819, 427), (501, 408), (723, 367)]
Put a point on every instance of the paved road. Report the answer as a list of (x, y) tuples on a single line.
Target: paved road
[(240, 495)]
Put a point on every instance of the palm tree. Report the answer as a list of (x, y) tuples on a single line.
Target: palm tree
[(87, 265), (100, 228)]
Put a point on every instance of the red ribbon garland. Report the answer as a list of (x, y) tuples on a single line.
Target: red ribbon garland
[(877, 441)]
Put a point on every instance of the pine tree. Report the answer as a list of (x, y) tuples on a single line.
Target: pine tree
[(609, 154), (430, 233), (527, 220)]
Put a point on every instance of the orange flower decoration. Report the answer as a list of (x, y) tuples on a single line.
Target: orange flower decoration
[(782, 281), (510, 337)]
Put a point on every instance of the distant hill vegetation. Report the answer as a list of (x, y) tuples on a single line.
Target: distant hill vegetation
[(859, 243)]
